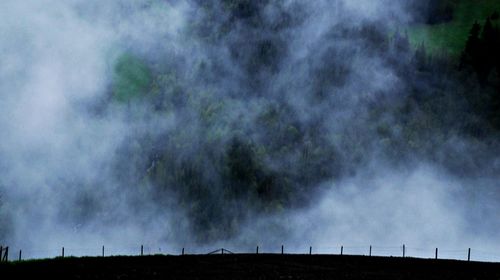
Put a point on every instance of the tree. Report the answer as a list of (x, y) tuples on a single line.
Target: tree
[(420, 58), (472, 47), (401, 43), (487, 56)]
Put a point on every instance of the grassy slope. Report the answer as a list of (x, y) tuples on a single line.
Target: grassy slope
[(450, 37)]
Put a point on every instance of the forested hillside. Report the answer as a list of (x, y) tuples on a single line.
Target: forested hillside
[(259, 126)]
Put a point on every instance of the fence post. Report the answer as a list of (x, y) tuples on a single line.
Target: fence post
[(142, 250), (222, 251), (103, 251), (62, 252), (183, 251), (370, 251), (257, 252), (436, 253), (282, 249), (404, 250), (6, 255), (310, 250), (341, 250), (468, 256), (20, 254), (1, 253)]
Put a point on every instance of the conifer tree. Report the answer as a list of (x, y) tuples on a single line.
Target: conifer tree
[(472, 47), (420, 58)]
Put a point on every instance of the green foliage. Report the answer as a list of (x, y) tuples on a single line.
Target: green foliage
[(132, 78)]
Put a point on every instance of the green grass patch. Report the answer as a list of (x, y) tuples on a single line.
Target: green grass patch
[(450, 37), (132, 78)]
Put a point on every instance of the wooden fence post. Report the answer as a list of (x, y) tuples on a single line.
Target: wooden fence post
[(257, 251), (310, 250), (468, 256), (404, 250), (436, 253), (341, 250), (103, 251), (370, 254), (183, 251), (142, 250), (282, 249), (20, 254), (4, 254), (62, 252)]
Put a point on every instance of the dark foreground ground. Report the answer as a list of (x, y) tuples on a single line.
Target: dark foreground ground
[(262, 266)]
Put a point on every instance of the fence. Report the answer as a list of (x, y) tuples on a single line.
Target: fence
[(467, 254)]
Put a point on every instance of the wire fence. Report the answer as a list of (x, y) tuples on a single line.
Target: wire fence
[(466, 254)]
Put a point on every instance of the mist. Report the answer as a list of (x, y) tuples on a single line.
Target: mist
[(208, 124)]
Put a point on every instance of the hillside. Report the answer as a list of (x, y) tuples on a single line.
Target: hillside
[(250, 267), (450, 36)]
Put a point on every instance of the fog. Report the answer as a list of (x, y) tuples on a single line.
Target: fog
[(72, 169)]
